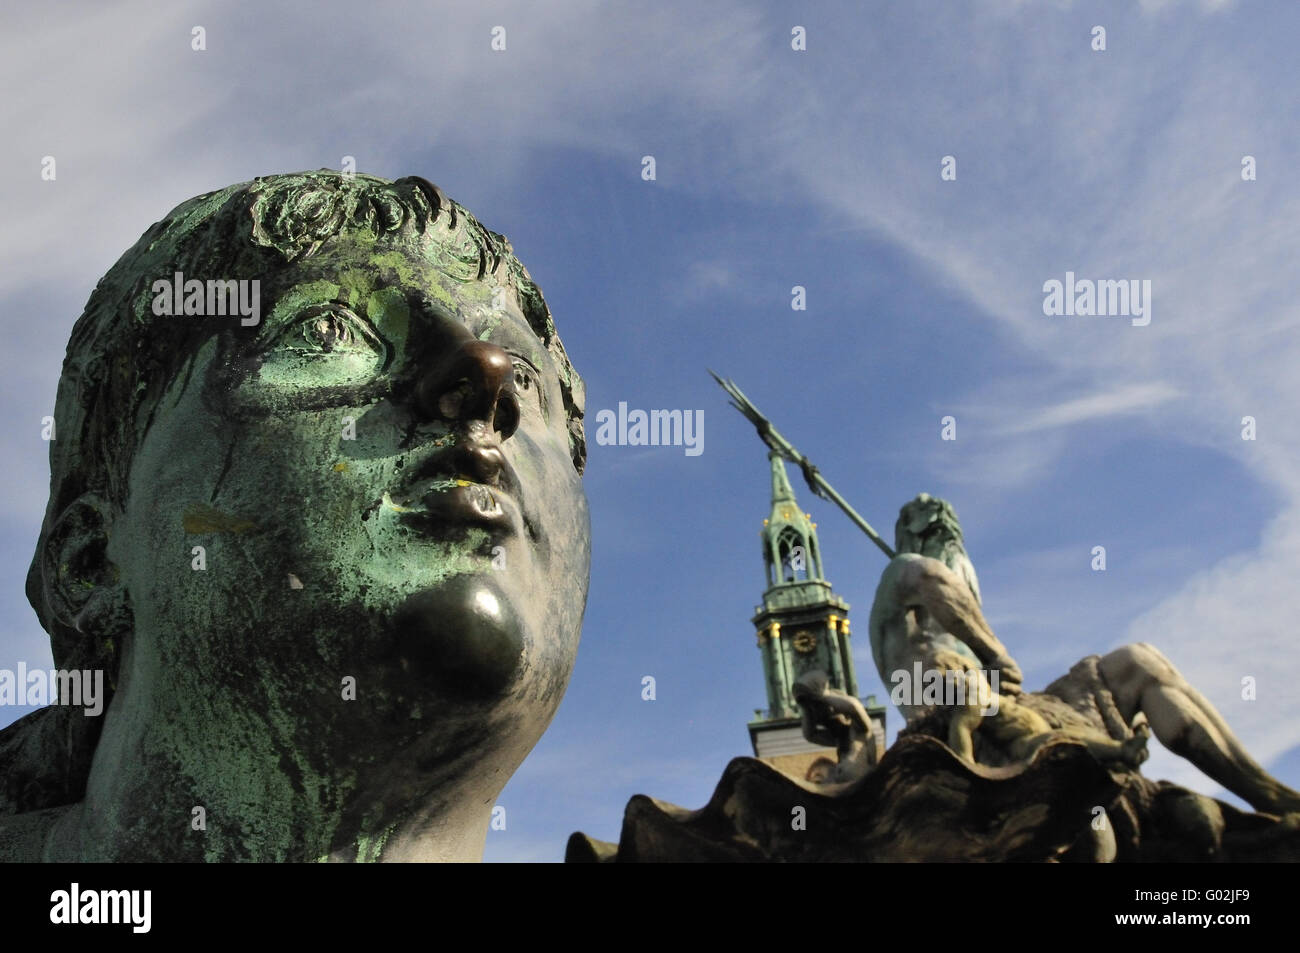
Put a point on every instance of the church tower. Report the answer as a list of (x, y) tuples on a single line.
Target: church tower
[(801, 625)]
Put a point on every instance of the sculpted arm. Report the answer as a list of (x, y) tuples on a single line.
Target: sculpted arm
[(930, 585), (886, 616), (814, 727)]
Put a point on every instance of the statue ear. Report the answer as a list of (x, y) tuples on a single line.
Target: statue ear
[(80, 584), (46, 756)]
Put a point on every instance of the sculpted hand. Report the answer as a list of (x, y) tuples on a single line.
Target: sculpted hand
[(1010, 677)]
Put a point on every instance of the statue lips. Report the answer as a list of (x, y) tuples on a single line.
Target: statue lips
[(449, 506), (465, 485)]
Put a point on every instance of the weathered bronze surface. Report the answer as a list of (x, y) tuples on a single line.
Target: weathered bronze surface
[(331, 549)]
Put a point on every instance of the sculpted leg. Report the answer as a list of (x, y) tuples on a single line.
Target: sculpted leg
[(1017, 728), (965, 715), (1143, 680), (961, 726), (1023, 731)]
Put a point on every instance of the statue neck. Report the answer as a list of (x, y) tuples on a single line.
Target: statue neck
[(232, 789), (451, 828)]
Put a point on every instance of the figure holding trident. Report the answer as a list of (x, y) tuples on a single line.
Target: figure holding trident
[(927, 610)]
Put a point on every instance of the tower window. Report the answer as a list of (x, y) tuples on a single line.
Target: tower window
[(794, 556)]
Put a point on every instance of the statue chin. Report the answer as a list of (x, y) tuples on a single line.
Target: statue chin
[(464, 637)]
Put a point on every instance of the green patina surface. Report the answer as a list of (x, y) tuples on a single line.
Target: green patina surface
[(231, 437)]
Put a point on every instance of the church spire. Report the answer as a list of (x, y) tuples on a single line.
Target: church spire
[(790, 549), (781, 489)]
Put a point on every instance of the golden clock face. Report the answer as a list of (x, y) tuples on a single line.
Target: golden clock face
[(804, 642)]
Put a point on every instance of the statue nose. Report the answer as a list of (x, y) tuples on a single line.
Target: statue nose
[(475, 383)]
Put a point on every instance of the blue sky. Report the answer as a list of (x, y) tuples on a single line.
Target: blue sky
[(775, 168)]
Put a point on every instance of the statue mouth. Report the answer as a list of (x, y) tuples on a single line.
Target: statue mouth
[(440, 505), (465, 485)]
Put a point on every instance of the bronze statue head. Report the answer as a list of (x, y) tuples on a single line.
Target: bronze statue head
[(316, 510)]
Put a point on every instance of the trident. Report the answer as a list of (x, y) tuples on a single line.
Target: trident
[(816, 482)]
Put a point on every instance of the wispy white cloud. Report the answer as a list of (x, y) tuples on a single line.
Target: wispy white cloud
[(1133, 398)]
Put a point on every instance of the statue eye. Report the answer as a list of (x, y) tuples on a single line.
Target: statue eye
[(329, 328), (324, 345), (328, 331), (528, 383), (525, 376)]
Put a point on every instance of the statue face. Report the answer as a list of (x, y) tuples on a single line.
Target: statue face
[(395, 542), (927, 526)]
